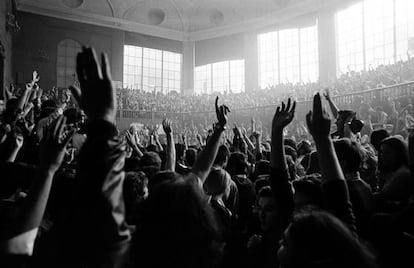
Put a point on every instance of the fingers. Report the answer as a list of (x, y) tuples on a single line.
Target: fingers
[(293, 107), (92, 69), (105, 69), (216, 103), (288, 105), (317, 105), (283, 107)]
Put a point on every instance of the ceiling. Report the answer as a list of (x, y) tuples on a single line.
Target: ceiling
[(177, 19)]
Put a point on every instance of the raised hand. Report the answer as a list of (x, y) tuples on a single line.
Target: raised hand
[(167, 126), (35, 77), (283, 116), (327, 94), (53, 144), (221, 113), (318, 121), (130, 139), (96, 95)]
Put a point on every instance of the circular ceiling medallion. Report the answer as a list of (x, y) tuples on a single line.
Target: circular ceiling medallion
[(72, 3), (216, 17), (156, 16)]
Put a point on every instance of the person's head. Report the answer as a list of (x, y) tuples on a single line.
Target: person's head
[(161, 177), (313, 166), (135, 188), (217, 183), (237, 164), (267, 208), (349, 155), (190, 157), (222, 157), (291, 152), (260, 183), (178, 228), (393, 154), (290, 142), (317, 239), (377, 136), (150, 163), (308, 191), (304, 148), (261, 168)]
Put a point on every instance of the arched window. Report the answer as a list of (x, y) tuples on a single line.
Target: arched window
[(66, 62)]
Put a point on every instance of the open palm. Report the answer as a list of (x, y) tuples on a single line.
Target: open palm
[(284, 115)]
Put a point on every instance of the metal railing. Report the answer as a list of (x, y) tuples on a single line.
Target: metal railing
[(405, 90)]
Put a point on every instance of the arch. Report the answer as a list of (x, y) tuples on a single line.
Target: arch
[(67, 50)]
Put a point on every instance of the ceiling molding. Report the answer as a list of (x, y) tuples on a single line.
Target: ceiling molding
[(99, 20), (275, 18), (111, 7)]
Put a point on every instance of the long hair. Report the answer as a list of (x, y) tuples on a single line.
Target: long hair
[(317, 239), (178, 228)]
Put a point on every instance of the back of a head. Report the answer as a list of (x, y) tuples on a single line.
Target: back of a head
[(190, 156), (350, 153), (262, 167), (313, 164), (377, 136), (217, 182), (135, 187), (222, 156), (237, 164), (308, 191), (400, 148), (150, 163), (178, 228), (318, 239)]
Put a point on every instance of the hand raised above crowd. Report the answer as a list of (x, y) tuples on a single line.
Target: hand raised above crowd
[(222, 113), (96, 95), (283, 116), (318, 121), (53, 144)]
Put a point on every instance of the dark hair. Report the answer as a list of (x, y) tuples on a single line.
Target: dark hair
[(222, 155), (291, 151), (318, 240), (350, 152), (265, 191), (401, 149), (190, 156), (261, 183), (161, 177), (311, 187), (304, 148), (377, 136), (290, 142), (178, 228), (262, 167), (313, 164), (237, 164)]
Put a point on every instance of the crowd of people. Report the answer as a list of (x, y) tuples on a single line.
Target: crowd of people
[(78, 192), (349, 82)]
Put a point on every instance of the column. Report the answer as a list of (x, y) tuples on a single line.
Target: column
[(187, 74), (327, 46)]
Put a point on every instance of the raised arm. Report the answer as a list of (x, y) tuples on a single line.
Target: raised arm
[(335, 187), (332, 105), (20, 237), (170, 163), (98, 227), (283, 116), (279, 176), (206, 158)]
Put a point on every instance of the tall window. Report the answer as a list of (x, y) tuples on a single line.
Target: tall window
[(374, 32), (66, 62), (152, 70), (288, 56), (224, 76)]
